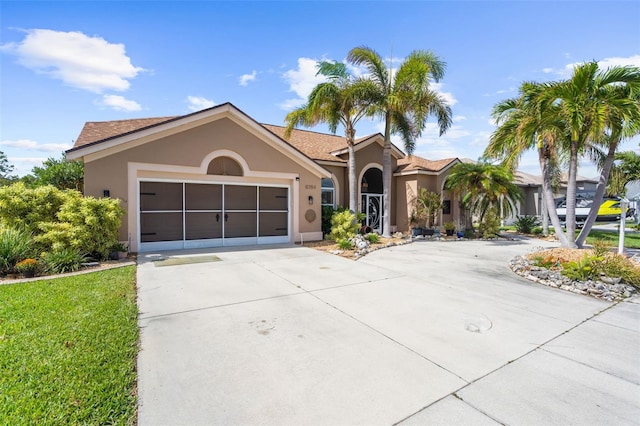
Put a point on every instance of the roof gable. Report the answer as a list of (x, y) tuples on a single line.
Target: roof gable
[(415, 164), (97, 139)]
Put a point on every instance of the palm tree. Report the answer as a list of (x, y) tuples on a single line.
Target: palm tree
[(404, 101), (484, 187), (593, 108), (628, 170), (342, 100), (522, 127), (599, 108)]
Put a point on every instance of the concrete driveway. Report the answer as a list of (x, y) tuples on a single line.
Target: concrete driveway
[(426, 333)]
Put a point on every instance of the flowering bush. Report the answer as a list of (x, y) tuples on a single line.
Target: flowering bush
[(28, 267)]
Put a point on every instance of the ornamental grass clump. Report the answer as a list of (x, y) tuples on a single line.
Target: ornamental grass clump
[(15, 246)]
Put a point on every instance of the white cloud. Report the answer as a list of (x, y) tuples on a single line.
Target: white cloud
[(24, 165), (603, 64), (301, 81), (119, 103), (246, 78), (30, 145), (459, 118), (447, 96), (88, 63), (197, 103)]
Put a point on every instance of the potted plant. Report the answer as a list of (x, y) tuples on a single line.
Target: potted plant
[(118, 251), (414, 223), (428, 203), (449, 228)]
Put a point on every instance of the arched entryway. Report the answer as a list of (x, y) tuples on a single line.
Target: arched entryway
[(371, 197)]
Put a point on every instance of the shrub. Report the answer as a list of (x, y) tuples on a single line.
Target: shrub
[(28, 267), (87, 224), (490, 225), (546, 261), (15, 245), (24, 208), (525, 224), (65, 260), (373, 238), (61, 219), (469, 233), (582, 269), (327, 212), (344, 225), (537, 230), (345, 244)]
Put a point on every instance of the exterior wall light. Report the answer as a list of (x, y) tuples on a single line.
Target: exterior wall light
[(310, 199)]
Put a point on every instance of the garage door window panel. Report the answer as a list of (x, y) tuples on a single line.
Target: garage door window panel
[(160, 227)]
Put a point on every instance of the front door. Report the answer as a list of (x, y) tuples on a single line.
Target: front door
[(371, 206)]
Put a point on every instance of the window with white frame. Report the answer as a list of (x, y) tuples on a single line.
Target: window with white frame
[(328, 193)]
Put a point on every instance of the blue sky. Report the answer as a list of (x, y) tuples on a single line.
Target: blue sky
[(64, 63)]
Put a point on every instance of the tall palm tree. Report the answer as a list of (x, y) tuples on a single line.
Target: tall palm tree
[(404, 101), (522, 127), (483, 187), (592, 109), (342, 100), (593, 103)]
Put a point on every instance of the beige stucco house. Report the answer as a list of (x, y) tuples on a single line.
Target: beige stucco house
[(217, 177)]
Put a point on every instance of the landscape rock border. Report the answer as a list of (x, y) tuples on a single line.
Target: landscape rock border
[(604, 288)]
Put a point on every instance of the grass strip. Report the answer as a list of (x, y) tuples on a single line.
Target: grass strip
[(68, 350)]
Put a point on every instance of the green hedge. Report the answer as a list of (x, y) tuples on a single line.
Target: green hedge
[(61, 219)]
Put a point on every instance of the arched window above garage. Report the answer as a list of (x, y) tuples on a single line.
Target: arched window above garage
[(225, 166)]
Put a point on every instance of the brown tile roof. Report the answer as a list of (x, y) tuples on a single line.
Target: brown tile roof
[(415, 163), (94, 131), (317, 146)]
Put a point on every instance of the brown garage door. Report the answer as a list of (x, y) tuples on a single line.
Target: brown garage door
[(204, 214)]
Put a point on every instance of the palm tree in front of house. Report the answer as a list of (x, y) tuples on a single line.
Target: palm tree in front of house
[(404, 101), (522, 127), (340, 101), (484, 187), (594, 109)]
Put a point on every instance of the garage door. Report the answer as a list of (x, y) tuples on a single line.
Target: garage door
[(176, 215)]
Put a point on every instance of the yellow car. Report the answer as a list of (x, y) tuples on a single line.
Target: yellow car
[(609, 210)]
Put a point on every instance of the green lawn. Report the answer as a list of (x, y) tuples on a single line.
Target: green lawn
[(631, 240), (68, 350)]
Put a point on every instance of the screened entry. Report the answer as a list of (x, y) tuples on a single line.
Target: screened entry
[(189, 215)]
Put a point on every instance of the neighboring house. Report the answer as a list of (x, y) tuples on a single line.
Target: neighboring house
[(532, 202), (217, 177)]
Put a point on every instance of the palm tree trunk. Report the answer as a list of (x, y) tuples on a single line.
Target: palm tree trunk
[(548, 200), (353, 179), (600, 189), (386, 179), (571, 196)]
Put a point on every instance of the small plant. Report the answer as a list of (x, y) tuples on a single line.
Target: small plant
[(469, 233), (490, 225), (28, 267), (537, 230), (525, 224), (15, 245), (327, 212), (345, 244), (65, 260), (545, 261), (449, 226), (601, 247), (344, 225), (373, 238), (580, 270)]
